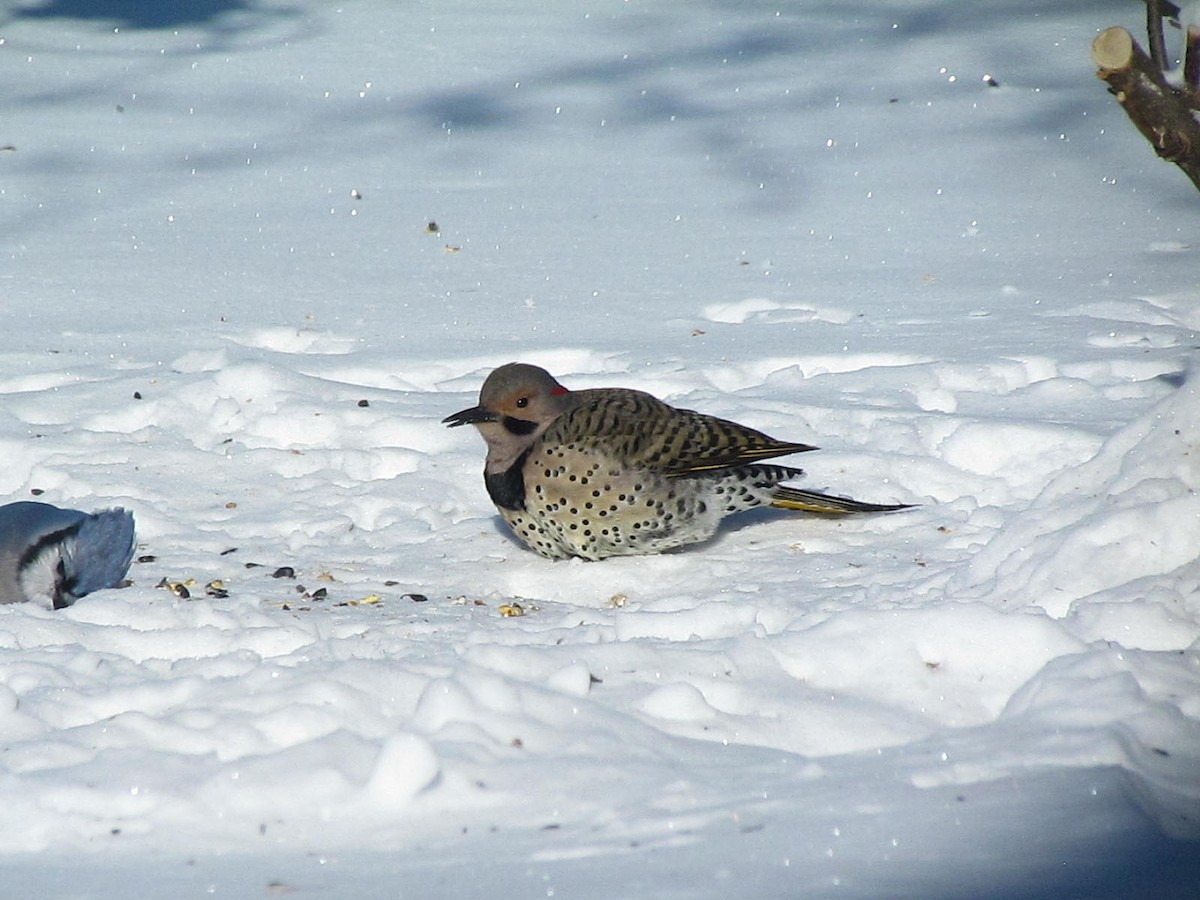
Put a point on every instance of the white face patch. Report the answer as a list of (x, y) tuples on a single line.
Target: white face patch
[(41, 579)]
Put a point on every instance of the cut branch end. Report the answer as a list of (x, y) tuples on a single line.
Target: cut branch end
[(1113, 49)]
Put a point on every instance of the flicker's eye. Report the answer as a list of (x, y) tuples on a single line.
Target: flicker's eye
[(522, 402)]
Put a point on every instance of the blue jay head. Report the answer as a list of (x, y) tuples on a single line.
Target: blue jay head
[(54, 556)]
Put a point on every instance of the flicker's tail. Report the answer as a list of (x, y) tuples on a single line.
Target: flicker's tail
[(812, 501)]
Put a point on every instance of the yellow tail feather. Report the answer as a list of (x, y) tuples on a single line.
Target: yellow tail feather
[(812, 501)]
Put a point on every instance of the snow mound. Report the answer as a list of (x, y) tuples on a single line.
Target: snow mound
[(1126, 523)]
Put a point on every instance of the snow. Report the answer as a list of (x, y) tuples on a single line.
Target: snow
[(253, 253)]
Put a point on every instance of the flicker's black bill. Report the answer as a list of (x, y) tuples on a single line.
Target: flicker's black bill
[(472, 416)]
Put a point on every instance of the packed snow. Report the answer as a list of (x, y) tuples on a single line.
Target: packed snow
[(254, 252)]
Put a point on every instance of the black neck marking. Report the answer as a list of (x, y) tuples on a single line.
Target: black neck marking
[(507, 488)]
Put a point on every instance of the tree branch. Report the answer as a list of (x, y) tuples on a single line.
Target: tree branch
[(1191, 58), (1160, 113)]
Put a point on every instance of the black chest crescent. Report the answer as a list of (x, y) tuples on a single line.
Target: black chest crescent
[(507, 488)]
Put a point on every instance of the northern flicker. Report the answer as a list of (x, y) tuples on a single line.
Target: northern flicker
[(616, 472)]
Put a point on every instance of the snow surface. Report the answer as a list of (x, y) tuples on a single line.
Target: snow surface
[(224, 309)]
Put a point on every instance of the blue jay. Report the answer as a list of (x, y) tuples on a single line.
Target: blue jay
[(55, 556)]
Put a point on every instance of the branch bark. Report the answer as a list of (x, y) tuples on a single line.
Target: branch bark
[(1160, 113), (1191, 58)]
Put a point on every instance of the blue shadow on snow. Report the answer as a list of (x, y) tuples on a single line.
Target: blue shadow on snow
[(136, 13)]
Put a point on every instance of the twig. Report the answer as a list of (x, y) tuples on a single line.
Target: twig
[(1154, 30)]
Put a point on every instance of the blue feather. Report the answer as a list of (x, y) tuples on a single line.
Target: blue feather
[(59, 555)]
